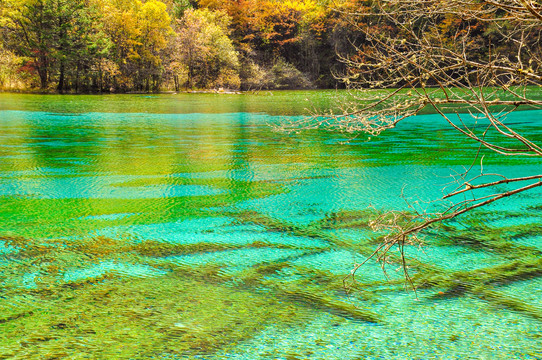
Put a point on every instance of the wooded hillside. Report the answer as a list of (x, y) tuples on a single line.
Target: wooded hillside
[(155, 45)]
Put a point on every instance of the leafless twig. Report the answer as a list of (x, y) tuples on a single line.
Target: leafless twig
[(477, 57)]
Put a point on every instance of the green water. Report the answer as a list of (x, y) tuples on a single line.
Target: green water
[(183, 227), (273, 103)]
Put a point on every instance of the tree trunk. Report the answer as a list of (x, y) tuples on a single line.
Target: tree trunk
[(176, 81), (42, 72), (77, 79), (60, 87)]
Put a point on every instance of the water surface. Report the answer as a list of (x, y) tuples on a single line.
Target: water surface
[(183, 227)]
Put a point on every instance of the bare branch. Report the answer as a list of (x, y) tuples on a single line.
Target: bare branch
[(461, 58)]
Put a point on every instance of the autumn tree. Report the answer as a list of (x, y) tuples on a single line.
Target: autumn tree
[(269, 32), (205, 49), (9, 65), (139, 33), (9, 61), (290, 30)]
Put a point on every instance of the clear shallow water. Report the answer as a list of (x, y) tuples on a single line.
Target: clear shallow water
[(183, 227)]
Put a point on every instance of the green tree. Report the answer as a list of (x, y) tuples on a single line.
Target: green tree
[(33, 19), (61, 37), (77, 40)]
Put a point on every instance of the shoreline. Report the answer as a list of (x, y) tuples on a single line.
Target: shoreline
[(165, 92)]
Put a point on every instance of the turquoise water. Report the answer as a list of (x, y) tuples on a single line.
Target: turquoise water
[(184, 227)]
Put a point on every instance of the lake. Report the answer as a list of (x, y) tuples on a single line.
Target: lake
[(184, 227)]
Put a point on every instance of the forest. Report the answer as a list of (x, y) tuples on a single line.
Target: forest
[(102, 46)]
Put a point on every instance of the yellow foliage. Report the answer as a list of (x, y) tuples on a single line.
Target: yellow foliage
[(138, 30)]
